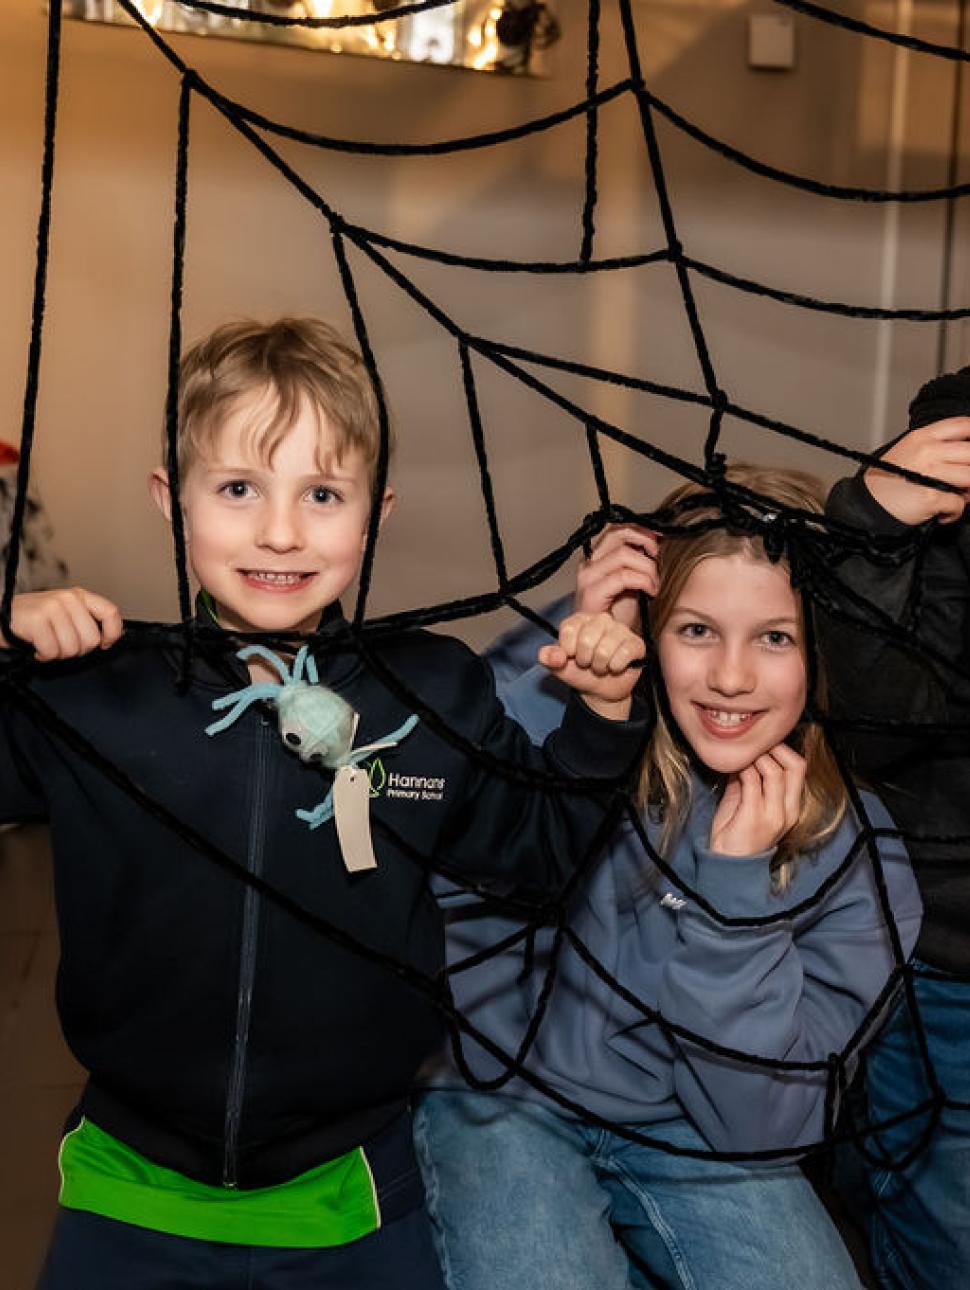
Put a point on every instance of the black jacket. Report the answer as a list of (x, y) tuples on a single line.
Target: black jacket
[(922, 776), (223, 1037)]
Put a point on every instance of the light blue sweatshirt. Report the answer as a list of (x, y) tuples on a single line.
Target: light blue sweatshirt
[(797, 989)]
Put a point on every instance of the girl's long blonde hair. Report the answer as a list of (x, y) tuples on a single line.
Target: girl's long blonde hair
[(665, 781)]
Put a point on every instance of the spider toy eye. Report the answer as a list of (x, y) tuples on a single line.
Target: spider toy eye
[(316, 723)]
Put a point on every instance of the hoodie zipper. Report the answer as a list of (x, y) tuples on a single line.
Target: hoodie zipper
[(247, 964)]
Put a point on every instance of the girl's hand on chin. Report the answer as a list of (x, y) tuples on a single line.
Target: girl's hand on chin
[(760, 804)]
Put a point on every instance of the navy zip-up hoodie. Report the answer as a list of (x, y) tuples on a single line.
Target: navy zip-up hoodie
[(224, 1038)]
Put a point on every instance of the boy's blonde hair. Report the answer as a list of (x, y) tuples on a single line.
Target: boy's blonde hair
[(286, 364), (665, 783)]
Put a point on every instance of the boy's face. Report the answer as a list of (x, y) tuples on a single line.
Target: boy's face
[(274, 543)]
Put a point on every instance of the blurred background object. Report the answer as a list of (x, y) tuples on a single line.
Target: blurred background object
[(490, 36)]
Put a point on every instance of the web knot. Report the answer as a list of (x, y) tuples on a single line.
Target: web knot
[(716, 467), (774, 535)]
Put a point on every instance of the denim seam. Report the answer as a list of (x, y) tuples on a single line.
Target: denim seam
[(880, 1182), (652, 1210), (884, 1257), (431, 1189), (596, 1152)]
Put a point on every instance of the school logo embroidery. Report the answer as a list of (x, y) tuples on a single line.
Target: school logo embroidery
[(377, 775), (414, 788)]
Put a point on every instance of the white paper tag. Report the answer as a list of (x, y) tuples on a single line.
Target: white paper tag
[(351, 813)]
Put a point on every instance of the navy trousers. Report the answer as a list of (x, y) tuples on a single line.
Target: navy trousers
[(89, 1252)]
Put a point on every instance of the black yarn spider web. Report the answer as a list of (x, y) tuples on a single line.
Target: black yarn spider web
[(813, 545)]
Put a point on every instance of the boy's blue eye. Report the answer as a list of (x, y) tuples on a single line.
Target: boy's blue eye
[(236, 488), (324, 495)]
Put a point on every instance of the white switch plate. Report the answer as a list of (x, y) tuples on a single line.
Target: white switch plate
[(771, 41)]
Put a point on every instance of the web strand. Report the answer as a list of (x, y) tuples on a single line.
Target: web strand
[(815, 547)]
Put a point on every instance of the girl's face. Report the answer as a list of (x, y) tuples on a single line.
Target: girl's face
[(733, 660)]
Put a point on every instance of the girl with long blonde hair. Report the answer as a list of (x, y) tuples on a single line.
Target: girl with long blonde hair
[(741, 803), (672, 759)]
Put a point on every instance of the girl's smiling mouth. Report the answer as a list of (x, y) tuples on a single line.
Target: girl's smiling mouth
[(726, 723)]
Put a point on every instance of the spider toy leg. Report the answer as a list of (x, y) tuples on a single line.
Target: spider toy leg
[(323, 812), (267, 655), (305, 661), (319, 814), (390, 741), (239, 701)]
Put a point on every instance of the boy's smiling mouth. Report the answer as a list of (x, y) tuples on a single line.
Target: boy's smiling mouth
[(275, 580)]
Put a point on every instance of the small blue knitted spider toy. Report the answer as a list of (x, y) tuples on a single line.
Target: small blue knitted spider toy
[(315, 722)]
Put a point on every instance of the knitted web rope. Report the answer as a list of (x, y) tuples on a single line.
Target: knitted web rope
[(813, 546)]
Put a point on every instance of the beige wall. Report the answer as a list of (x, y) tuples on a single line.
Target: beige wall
[(255, 248)]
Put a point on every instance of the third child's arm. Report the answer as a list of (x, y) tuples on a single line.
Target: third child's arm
[(940, 451), (870, 673)]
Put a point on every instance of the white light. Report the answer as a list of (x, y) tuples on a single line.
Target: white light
[(151, 10)]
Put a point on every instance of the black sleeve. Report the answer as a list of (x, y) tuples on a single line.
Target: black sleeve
[(520, 835), (516, 651), (21, 794), (871, 674)]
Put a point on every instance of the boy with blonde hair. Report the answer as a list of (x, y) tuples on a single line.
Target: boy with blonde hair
[(246, 1118)]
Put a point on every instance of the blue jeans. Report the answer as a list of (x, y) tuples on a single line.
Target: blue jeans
[(524, 1199), (89, 1252), (920, 1224)]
